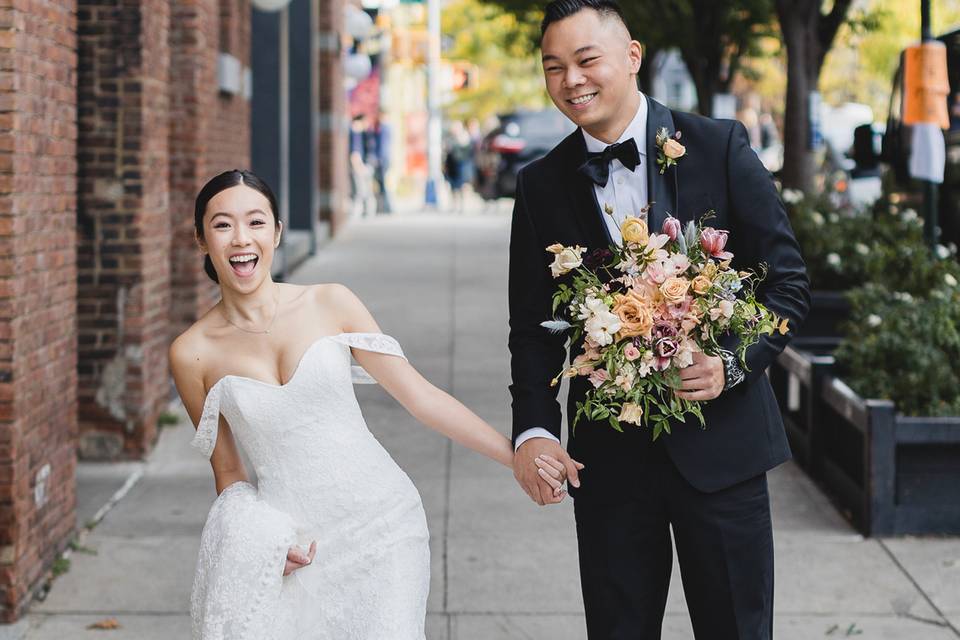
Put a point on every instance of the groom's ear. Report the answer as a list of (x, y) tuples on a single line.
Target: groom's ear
[(635, 52)]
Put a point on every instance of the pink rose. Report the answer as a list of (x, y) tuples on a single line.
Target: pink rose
[(631, 353), (598, 377), (655, 273), (671, 227), (713, 241)]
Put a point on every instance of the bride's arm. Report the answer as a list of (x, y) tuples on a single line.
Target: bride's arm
[(187, 376), (428, 404)]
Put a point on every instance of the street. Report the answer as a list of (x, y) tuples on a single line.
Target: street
[(502, 567)]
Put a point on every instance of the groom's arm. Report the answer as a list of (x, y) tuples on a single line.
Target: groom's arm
[(761, 233), (536, 356)]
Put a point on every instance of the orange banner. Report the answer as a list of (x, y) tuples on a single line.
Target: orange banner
[(925, 84)]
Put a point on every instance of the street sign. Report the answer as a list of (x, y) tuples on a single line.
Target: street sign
[(926, 85)]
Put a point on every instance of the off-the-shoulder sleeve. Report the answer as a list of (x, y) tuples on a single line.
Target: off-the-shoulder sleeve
[(376, 342), (205, 438)]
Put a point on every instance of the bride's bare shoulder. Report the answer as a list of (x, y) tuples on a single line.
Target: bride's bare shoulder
[(338, 301)]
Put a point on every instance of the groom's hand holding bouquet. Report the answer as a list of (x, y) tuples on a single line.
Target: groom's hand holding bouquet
[(651, 313)]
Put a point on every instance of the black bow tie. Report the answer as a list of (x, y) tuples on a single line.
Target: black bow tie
[(597, 166)]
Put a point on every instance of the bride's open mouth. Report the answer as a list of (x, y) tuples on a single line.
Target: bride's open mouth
[(243, 264)]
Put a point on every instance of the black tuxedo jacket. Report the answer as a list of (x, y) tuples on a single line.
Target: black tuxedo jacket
[(744, 435)]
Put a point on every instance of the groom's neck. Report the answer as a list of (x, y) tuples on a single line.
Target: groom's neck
[(609, 131)]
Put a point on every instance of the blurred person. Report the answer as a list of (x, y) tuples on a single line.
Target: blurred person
[(361, 175), (459, 163), (378, 158)]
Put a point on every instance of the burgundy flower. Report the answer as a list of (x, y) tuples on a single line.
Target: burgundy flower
[(597, 258)]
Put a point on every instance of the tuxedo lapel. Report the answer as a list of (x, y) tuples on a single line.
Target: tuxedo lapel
[(582, 196), (662, 188)]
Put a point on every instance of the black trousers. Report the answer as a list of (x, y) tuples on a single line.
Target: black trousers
[(724, 547)]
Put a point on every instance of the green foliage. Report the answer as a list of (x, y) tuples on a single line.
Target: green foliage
[(905, 348), (844, 248), (500, 44), (60, 566)]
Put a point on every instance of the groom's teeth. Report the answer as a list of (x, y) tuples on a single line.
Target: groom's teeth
[(583, 99)]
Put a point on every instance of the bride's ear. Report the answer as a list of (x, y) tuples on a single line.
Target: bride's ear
[(276, 239)]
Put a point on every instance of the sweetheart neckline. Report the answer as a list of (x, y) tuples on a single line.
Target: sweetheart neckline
[(293, 375)]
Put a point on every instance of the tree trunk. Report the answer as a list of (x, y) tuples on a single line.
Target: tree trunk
[(799, 29)]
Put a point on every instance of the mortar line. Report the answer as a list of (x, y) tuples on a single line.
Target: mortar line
[(917, 586)]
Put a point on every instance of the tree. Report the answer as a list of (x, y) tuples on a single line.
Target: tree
[(712, 37), (808, 34), (498, 43)]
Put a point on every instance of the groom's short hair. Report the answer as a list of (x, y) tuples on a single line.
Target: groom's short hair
[(560, 9)]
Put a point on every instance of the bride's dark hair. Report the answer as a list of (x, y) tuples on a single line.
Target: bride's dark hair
[(217, 184)]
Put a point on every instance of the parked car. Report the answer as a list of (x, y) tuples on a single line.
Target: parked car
[(520, 138)]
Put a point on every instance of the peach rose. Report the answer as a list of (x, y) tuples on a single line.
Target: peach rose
[(674, 289), (673, 149), (701, 285), (636, 317)]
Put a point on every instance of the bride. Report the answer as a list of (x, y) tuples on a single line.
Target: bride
[(332, 542)]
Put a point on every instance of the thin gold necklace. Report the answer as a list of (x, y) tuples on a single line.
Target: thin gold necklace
[(276, 308)]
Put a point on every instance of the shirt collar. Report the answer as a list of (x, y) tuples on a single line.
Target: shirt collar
[(637, 129)]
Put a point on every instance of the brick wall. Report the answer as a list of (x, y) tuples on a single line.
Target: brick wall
[(123, 222), (38, 379), (209, 133), (333, 141)]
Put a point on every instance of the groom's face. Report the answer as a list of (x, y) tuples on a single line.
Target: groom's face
[(590, 65)]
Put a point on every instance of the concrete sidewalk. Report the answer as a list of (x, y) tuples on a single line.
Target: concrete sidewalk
[(502, 567)]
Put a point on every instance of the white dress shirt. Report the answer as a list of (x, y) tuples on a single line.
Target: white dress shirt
[(625, 194)]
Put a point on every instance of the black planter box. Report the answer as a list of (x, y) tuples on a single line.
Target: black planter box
[(796, 377), (828, 311), (891, 474)]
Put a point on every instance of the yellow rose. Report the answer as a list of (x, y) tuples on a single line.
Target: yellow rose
[(673, 149), (634, 230), (709, 270), (630, 412), (636, 316), (674, 289), (701, 285), (567, 259)]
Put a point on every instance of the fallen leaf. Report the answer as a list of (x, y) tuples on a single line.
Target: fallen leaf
[(106, 623)]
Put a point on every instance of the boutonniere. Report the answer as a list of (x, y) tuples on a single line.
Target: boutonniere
[(670, 149)]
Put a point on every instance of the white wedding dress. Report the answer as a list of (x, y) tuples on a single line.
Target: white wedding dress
[(322, 476)]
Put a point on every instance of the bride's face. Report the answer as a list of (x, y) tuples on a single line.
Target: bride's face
[(240, 235)]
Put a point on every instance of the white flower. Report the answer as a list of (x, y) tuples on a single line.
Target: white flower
[(817, 218), (833, 218), (601, 326), (942, 252), (676, 264), (909, 215), (874, 320), (833, 260), (950, 280), (724, 309), (565, 260), (631, 412), (590, 307), (903, 296), (792, 196), (862, 249)]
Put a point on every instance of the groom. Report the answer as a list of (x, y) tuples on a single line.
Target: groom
[(708, 486)]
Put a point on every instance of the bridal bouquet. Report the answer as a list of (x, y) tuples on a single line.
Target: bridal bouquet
[(644, 309)]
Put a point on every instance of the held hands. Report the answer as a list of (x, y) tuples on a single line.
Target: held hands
[(540, 466), (703, 380), (297, 559)]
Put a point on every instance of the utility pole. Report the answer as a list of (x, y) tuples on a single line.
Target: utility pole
[(930, 190), (434, 138)]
